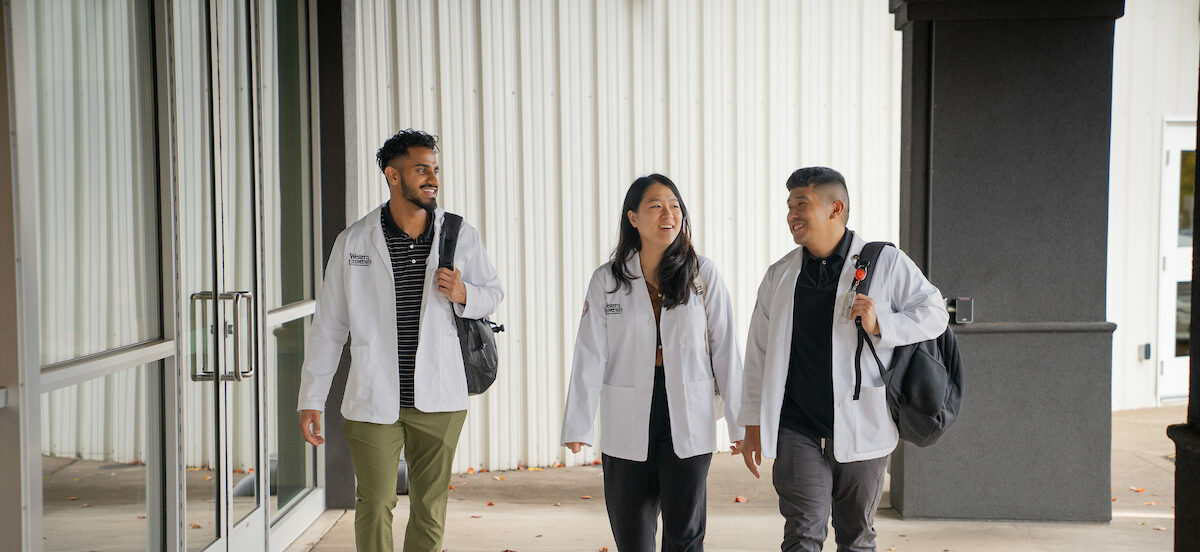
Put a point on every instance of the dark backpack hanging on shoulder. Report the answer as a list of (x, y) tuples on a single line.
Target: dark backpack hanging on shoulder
[(924, 380), (477, 338)]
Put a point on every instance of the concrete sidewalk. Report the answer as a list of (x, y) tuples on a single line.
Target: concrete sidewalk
[(545, 511)]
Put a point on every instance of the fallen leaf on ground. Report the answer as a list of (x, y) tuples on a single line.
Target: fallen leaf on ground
[(535, 469), (537, 536), (452, 487), (1138, 489), (558, 465), (595, 462), (476, 517), (470, 470), (499, 478), (740, 499), (85, 505), (207, 477), (1151, 503), (193, 469), (239, 470), (72, 498), (1160, 528), (251, 470), (491, 504), (1141, 523), (558, 504), (892, 548), (1114, 499), (194, 525), (481, 470), (586, 497), (520, 467), (603, 549), (79, 479)]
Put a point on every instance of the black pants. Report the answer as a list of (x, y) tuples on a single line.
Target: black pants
[(635, 492)]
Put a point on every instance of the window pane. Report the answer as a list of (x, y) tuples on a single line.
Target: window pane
[(94, 453), (289, 206), (292, 461), (1183, 316), (93, 157), (1187, 190)]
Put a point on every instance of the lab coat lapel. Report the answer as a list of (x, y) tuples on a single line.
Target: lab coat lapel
[(376, 226)]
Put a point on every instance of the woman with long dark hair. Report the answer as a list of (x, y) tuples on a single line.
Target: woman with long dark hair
[(656, 350)]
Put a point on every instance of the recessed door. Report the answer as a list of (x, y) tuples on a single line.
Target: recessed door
[(1175, 280), (220, 397)]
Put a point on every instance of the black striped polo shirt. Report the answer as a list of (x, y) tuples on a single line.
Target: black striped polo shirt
[(409, 258)]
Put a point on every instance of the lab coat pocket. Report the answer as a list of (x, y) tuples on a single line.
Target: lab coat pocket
[(618, 416), (358, 380), (700, 400), (700, 408), (872, 418)]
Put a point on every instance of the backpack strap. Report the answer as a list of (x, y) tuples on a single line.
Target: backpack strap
[(866, 261), (448, 239), (701, 291)]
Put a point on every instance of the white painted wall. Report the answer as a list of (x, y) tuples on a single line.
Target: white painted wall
[(548, 110), (1156, 55)]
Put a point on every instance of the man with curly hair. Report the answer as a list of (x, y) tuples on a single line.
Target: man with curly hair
[(406, 390)]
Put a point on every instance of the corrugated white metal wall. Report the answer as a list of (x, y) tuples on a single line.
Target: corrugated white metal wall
[(1156, 54), (548, 110)]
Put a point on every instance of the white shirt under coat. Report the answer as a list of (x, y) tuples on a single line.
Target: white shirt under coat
[(614, 360), (358, 297), (909, 309)]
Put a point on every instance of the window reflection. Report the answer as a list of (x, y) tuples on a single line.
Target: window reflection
[(94, 453)]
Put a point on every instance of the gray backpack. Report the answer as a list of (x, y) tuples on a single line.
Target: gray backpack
[(924, 381), (477, 338)]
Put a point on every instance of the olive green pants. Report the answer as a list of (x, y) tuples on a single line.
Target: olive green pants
[(428, 440)]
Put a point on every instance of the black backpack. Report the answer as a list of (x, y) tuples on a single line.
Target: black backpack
[(476, 337), (924, 381)]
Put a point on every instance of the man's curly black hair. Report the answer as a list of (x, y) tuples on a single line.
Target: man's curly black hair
[(397, 145)]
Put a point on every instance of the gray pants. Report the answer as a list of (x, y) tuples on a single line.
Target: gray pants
[(809, 482)]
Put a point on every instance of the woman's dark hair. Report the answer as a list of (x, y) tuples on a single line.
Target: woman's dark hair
[(679, 266)]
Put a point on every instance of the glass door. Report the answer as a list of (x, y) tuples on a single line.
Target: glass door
[(217, 209), (1175, 280)]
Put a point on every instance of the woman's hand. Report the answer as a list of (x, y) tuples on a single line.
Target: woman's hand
[(575, 446), (735, 448)]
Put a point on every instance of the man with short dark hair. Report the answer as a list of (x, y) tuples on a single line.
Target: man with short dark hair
[(407, 388), (799, 400)]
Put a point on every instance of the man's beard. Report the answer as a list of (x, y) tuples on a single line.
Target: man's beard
[(415, 198)]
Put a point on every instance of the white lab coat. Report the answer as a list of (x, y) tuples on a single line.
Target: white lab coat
[(358, 297), (614, 366), (909, 309)]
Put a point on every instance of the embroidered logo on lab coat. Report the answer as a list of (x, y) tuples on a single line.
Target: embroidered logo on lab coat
[(360, 260), (612, 308)]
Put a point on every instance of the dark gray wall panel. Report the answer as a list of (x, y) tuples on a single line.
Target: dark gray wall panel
[(1025, 434), (1019, 167)]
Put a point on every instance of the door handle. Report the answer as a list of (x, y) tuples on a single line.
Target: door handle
[(234, 330), (200, 370)]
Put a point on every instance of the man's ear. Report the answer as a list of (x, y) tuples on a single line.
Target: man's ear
[(392, 175), (839, 208)]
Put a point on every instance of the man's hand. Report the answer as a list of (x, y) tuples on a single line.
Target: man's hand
[(311, 418), (450, 283), (864, 307), (751, 450), (575, 446)]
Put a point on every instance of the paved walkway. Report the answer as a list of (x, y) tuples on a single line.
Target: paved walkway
[(544, 511)]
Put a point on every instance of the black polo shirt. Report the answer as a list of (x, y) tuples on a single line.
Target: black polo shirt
[(808, 395), (409, 259)]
